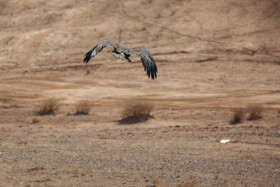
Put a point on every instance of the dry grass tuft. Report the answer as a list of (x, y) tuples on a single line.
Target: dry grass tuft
[(255, 112), (35, 120), (136, 112), (101, 34), (82, 108), (173, 12), (77, 172), (88, 71), (48, 107), (167, 4), (158, 15), (216, 177), (239, 116), (187, 184), (159, 183), (248, 156)]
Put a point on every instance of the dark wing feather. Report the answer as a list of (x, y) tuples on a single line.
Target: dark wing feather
[(88, 55), (150, 67), (98, 48), (148, 62)]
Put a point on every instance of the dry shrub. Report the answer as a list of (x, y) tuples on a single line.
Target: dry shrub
[(88, 71), (77, 172), (159, 183), (173, 12), (239, 116), (248, 156), (48, 107), (101, 34), (82, 108), (187, 184), (158, 15), (35, 119), (167, 4), (137, 112), (255, 112)]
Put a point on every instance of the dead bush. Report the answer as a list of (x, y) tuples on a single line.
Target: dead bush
[(82, 108), (137, 112), (255, 112), (77, 172), (48, 107), (187, 184), (239, 116), (101, 34), (173, 12), (35, 119), (159, 183), (88, 71), (248, 156), (158, 15)]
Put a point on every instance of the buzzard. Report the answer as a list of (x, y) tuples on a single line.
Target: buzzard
[(123, 53)]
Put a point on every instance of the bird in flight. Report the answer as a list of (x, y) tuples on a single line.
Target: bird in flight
[(148, 62)]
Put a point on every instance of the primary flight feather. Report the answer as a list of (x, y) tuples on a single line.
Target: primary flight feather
[(148, 62)]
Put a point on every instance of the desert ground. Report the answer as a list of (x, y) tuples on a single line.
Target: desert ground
[(213, 57)]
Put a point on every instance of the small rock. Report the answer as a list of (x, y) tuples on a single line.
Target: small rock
[(224, 141)]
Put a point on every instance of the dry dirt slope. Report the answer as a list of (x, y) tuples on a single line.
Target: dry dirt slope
[(212, 56)]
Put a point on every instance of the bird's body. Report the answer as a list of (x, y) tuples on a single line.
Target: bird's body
[(124, 53)]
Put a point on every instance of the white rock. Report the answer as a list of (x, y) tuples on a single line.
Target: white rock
[(224, 141)]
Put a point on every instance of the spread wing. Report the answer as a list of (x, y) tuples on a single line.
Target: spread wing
[(149, 65), (148, 62), (98, 48)]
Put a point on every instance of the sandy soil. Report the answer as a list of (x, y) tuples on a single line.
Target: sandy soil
[(212, 57)]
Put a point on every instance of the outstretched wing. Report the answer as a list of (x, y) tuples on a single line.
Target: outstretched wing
[(98, 48), (149, 65), (148, 62)]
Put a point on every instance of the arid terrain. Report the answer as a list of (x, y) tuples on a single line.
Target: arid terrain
[(212, 56)]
